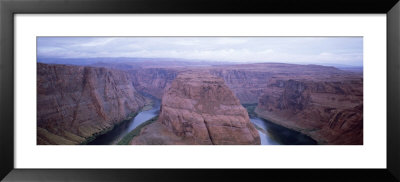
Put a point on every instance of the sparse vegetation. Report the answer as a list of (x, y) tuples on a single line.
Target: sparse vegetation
[(128, 137), (106, 130)]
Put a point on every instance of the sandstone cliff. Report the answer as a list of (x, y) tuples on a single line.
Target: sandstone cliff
[(330, 110), (198, 108), (76, 103)]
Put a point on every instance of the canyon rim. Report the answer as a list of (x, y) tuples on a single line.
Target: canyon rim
[(199, 91)]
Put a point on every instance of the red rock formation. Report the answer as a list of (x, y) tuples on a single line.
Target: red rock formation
[(74, 103), (328, 110), (199, 109)]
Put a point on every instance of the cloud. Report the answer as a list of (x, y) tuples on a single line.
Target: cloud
[(95, 42), (306, 50)]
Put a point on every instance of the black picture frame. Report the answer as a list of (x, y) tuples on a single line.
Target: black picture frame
[(8, 8)]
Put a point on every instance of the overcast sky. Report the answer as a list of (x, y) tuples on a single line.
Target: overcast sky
[(303, 50)]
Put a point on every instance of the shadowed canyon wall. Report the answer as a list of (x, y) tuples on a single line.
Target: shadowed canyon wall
[(152, 80), (76, 103), (330, 110)]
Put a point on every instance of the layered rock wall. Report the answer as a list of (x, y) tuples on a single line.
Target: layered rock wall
[(330, 111), (75, 103), (247, 81), (152, 80)]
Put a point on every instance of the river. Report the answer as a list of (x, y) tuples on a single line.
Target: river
[(273, 134), (270, 133), (118, 132)]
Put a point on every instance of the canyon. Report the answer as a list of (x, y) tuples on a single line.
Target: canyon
[(199, 109), (322, 102), (201, 103)]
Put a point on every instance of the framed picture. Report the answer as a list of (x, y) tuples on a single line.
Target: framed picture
[(154, 90)]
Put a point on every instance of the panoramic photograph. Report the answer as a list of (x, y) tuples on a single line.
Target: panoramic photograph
[(199, 91)]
